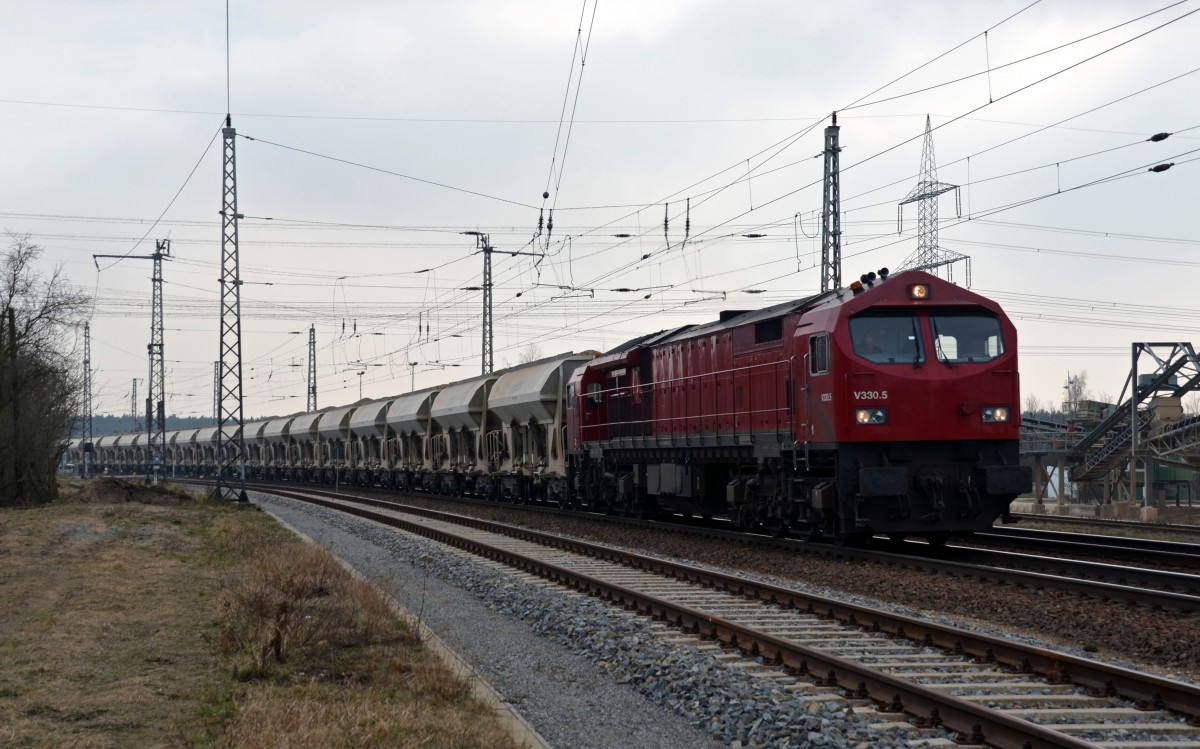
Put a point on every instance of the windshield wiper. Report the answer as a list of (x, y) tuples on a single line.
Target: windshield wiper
[(941, 355)]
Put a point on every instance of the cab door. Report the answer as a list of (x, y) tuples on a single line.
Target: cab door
[(813, 386)]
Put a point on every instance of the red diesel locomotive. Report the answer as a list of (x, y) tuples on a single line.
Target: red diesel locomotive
[(891, 406)]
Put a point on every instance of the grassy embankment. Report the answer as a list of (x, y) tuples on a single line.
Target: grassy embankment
[(132, 616)]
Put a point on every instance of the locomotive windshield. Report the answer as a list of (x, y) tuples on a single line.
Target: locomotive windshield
[(959, 339), (887, 339)]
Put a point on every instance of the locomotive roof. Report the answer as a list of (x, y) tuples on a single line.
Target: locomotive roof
[(649, 339), (727, 320), (745, 318)]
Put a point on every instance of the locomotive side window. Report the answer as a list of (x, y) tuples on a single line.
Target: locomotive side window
[(960, 339), (887, 339), (594, 396), (818, 354), (570, 396)]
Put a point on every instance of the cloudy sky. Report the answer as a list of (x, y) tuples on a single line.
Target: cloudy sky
[(371, 135)]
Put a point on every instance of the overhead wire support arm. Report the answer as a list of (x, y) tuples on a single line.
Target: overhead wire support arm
[(155, 410), (483, 242)]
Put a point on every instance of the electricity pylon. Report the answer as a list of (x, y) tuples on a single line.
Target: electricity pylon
[(929, 256)]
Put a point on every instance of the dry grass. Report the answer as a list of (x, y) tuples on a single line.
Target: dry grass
[(103, 618), (132, 616)]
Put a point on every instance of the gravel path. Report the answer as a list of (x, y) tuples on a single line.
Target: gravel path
[(582, 673)]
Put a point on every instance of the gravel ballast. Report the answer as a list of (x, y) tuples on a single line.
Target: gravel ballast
[(1161, 642), (582, 673)]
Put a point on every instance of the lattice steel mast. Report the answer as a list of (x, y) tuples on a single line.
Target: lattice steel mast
[(831, 213), (86, 442), (156, 418), (136, 425), (489, 354), (155, 413), (216, 391), (312, 368), (231, 449), (483, 242), (929, 256)]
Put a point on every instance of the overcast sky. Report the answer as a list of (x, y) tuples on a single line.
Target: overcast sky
[(108, 107)]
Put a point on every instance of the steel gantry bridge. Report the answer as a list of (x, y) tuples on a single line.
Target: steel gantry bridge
[(1147, 427)]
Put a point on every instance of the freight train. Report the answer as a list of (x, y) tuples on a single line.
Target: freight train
[(887, 407)]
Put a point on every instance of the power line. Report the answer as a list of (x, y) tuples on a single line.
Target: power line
[(994, 68), (938, 57), (170, 203), (381, 170)]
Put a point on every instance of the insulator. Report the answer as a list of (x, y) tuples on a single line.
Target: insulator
[(1159, 137), (541, 219), (1162, 167)]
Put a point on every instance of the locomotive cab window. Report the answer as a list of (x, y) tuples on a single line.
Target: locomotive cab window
[(594, 396), (961, 339), (818, 354), (571, 396), (887, 339)]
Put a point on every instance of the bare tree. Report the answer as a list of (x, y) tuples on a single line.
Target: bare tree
[(39, 371), (532, 352), (1033, 404), (1191, 404), (1074, 391)]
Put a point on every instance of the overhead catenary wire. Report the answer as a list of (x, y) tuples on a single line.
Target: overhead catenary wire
[(993, 68), (516, 265), (170, 203), (1023, 88), (382, 170)]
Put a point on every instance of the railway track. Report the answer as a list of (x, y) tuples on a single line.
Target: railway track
[(1143, 551), (1155, 589), (985, 689), (1118, 525), (1134, 551)]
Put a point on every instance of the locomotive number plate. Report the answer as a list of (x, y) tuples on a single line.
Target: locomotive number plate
[(871, 395)]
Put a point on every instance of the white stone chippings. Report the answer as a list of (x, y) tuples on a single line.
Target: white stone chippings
[(733, 707)]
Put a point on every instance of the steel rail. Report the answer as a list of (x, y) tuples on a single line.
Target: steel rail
[(1134, 585), (1152, 692), (1188, 548), (1178, 591), (1113, 524), (1114, 547)]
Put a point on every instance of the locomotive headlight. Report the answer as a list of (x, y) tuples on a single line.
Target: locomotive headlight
[(870, 416), (919, 291), (995, 414)]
